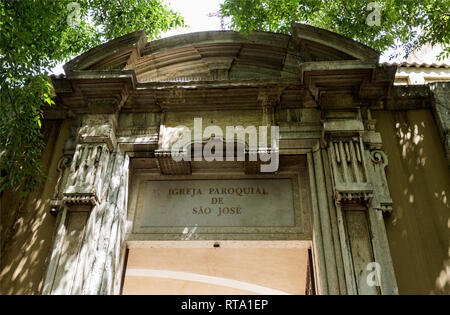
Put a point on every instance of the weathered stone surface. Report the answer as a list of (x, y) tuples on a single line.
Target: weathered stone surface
[(242, 202), (362, 195), (98, 129)]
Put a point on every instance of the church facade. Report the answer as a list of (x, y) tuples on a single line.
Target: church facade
[(223, 163)]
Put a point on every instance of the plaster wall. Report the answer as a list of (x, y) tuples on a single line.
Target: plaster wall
[(216, 271), (26, 224), (419, 182)]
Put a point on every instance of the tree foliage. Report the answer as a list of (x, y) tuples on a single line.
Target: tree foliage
[(407, 23), (35, 35)]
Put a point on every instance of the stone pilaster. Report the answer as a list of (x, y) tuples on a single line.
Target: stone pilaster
[(361, 195), (81, 197)]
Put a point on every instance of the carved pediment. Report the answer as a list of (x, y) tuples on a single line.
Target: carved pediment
[(222, 70), (221, 55)]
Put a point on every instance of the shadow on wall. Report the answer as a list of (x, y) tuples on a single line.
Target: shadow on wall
[(419, 181), (25, 246), (27, 226)]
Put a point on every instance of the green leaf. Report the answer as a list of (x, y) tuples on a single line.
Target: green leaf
[(34, 37)]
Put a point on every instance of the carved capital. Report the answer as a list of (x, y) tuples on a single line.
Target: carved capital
[(357, 161), (350, 178), (86, 177)]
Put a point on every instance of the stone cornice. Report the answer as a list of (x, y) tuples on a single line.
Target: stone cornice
[(118, 51), (334, 40), (189, 71)]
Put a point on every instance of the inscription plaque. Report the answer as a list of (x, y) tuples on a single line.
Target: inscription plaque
[(218, 203)]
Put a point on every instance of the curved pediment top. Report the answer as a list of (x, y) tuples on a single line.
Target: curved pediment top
[(335, 41), (112, 55), (221, 55)]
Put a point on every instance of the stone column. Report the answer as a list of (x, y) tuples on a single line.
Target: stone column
[(90, 202), (361, 196)]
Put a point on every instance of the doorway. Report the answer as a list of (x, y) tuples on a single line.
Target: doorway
[(218, 268)]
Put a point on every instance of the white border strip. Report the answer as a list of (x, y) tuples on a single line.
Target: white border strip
[(187, 276)]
